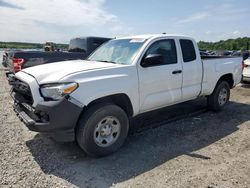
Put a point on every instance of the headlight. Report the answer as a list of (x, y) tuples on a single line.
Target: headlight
[(57, 91)]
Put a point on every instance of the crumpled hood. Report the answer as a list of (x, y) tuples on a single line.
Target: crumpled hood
[(56, 71)]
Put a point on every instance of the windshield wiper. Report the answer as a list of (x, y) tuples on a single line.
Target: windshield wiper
[(107, 61)]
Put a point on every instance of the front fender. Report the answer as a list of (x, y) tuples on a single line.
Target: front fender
[(102, 85)]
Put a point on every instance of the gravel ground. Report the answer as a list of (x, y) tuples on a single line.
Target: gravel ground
[(203, 149)]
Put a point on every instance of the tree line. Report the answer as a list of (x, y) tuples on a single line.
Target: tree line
[(24, 45), (230, 44)]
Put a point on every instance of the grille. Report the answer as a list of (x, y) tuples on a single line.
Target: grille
[(23, 90)]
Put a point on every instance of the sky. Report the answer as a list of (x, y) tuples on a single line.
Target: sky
[(61, 20)]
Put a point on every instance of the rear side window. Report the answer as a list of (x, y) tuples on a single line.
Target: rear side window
[(98, 42), (78, 45), (188, 51)]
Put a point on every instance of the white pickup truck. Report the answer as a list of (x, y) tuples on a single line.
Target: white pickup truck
[(92, 100)]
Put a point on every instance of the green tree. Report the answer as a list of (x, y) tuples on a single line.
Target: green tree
[(230, 44)]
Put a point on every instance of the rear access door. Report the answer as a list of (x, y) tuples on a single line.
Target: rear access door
[(192, 69)]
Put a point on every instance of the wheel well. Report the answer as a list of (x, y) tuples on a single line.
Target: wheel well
[(121, 100), (228, 78)]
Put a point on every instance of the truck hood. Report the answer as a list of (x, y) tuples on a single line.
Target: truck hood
[(56, 71)]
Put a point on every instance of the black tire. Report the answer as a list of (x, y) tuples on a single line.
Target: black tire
[(87, 126), (213, 99)]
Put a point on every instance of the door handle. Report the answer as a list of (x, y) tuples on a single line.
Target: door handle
[(177, 72)]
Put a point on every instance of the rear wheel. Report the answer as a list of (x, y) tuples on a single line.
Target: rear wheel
[(102, 129), (220, 96)]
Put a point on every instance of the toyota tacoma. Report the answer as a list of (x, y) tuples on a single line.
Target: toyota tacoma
[(92, 100)]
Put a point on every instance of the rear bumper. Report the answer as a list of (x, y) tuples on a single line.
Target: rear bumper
[(57, 118)]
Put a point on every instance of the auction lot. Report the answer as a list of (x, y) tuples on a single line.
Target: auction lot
[(197, 149)]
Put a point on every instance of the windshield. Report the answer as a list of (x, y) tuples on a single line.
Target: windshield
[(77, 45), (119, 51)]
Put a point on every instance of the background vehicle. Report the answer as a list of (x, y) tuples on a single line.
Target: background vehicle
[(202, 53), (5, 58), (49, 47), (92, 100), (79, 48), (246, 71)]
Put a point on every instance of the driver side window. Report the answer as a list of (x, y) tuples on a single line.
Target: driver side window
[(165, 48)]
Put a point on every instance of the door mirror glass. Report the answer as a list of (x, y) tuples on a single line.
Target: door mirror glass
[(151, 60)]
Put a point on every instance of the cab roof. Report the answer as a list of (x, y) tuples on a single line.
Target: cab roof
[(150, 36)]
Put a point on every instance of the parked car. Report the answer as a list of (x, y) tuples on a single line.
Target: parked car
[(5, 58), (246, 70), (92, 100), (225, 53), (49, 47), (237, 53), (79, 48), (202, 53)]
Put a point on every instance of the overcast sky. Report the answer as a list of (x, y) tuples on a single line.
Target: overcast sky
[(60, 20)]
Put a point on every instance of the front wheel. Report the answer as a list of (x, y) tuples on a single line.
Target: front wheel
[(102, 129), (220, 96)]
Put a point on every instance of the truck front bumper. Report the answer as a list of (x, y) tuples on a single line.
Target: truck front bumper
[(57, 118)]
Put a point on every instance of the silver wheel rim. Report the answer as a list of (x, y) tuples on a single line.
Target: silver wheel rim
[(107, 131), (222, 99)]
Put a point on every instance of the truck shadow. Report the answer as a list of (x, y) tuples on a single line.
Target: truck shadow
[(144, 150), (245, 85)]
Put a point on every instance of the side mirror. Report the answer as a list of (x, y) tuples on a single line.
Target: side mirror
[(151, 60), (245, 55)]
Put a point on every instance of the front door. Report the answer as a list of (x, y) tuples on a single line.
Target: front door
[(160, 84)]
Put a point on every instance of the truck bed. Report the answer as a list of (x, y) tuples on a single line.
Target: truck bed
[(215, 66), (33, 58)]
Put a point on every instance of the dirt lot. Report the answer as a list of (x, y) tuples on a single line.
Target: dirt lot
[(197, 149)]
